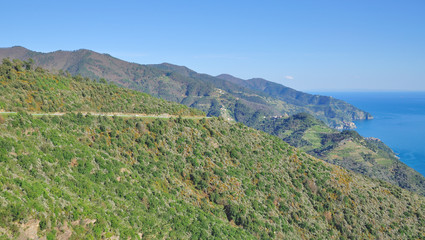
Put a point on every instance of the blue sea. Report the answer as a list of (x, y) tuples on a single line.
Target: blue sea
[(399, 121)]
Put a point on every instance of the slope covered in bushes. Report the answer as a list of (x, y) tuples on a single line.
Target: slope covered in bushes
[(178, 178), (368, 156), (83, 176), (23, 88), (227, 96)]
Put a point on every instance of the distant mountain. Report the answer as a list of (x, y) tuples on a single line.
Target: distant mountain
[(256, 102), (322, 107), (57, 93), (79, 176), (243, 101)]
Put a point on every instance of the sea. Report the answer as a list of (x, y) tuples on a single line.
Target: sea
[(399, 121)]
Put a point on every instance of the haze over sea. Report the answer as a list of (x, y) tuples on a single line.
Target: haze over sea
[(399, 121)]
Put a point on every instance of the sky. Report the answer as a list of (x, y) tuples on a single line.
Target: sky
[(317, 45)]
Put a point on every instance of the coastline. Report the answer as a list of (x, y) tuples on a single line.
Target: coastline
[(399, 122)]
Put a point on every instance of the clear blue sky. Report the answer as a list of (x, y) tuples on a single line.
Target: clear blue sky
[(308, 45)]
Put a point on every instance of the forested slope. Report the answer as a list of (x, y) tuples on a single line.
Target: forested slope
[(213, 95), (368, 156), (23, 88), (82, 176)]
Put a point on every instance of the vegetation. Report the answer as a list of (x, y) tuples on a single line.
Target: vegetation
[(91, 177), (243, 101), (368, 156), (22, 88), (334, 112), (181, 178)]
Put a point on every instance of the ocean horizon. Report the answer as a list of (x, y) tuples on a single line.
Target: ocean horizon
[(399, 121)]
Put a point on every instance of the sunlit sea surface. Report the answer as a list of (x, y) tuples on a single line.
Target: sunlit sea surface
[(399, 121)]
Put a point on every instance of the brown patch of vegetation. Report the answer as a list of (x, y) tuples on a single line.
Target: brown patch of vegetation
[(64, 232), (328, 216), (74, 162), (29, 230), (312, 186)]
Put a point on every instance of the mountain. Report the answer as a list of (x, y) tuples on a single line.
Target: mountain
[(368, 156), (41, 91), (82, 176), (321, 106), (256, 102), (336, 113), (245, 103)]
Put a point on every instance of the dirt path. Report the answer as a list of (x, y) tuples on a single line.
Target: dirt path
[(138, 115)]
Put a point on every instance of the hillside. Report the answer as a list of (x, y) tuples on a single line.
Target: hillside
[(246, 101), (368, 156), (215, 96), (321, 106), (41, 91), (83, 176)]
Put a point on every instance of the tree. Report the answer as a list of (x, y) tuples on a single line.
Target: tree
[(103, 81), (29, 64)]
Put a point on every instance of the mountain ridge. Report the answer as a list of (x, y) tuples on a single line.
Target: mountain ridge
[(96, 177), (183, 85), (285, 93), (246, 102)]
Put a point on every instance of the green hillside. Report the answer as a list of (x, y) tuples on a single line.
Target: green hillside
[(90, 177), (41, 91), (324, 108), (213, 95), (368, 156)]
